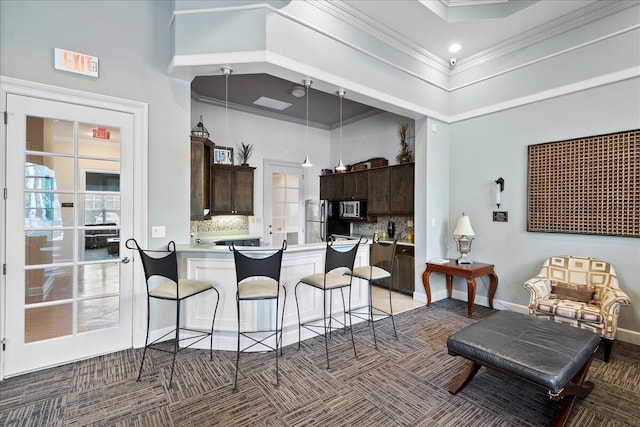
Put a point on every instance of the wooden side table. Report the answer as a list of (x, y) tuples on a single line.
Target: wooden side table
[(469, 272)]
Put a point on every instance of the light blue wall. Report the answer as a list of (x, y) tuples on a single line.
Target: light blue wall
[(132, 42), (486, 148)]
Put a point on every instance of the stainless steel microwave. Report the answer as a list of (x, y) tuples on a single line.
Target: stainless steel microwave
[(353, 209)]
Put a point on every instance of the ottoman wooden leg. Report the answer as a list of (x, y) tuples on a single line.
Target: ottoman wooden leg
[(577, 387), (465, 376)]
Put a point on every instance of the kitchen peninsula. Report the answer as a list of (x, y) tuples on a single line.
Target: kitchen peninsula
[(215, 264)]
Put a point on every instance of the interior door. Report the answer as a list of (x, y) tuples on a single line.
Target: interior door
[(283, 207), (69, 200)]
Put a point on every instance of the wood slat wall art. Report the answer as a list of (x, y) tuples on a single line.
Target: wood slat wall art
[(586, 185)]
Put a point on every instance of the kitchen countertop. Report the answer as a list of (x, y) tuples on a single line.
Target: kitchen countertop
[(400, 242), (213, 248)]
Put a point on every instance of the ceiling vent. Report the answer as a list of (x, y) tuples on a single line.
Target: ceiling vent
[(264, 101)]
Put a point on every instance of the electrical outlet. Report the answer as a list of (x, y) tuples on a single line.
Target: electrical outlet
[(157, 231)]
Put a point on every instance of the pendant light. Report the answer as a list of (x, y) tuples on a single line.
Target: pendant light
[(307, 163), (341, 167), (226, 71)]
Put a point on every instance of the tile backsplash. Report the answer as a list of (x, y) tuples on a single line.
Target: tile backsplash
[(403, 224), (222, 223)]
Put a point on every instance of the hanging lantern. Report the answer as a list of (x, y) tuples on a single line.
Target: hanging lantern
[(199, 130)]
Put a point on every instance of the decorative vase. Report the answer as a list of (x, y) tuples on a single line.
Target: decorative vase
[(404, 156)]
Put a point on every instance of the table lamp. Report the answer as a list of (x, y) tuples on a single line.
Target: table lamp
[(461, 235)]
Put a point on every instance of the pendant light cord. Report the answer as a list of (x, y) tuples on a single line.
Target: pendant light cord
[(226, 104), (226, 71), (307, 163), (341, 166)]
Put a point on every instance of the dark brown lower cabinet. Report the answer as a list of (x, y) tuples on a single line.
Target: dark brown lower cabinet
[(403, 271)]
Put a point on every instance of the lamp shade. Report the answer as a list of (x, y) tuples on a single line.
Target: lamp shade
[(463, 227)]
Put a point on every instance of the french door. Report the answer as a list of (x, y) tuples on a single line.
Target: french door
[(283, 205), (69, 200)]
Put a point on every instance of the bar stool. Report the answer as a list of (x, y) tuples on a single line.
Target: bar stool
[(164, 263), (379, 271), (337, 264), (258, 279)]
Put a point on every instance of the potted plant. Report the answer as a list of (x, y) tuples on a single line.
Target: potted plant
[(245, 153)]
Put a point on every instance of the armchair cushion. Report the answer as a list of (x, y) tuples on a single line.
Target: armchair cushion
[(569, 291)]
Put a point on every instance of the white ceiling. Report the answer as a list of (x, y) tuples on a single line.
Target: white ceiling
[(425, 29)]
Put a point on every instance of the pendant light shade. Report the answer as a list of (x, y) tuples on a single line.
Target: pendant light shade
[(307, 163), (341, 167), (199, 130)]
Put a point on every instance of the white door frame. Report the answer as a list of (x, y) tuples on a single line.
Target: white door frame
[(268, 165), (139, 111)]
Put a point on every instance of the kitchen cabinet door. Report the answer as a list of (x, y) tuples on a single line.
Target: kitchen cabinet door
[(243, 191), (332, 187), (201, 149), (379, 188), (231, 190), (404, 270), (402, 185), (356, 185)]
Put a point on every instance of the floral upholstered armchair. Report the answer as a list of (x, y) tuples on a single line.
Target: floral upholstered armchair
[(581, 292)]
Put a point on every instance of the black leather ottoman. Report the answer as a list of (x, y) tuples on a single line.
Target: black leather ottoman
[(546, 354)]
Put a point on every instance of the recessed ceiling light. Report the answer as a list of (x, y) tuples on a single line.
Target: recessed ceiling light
[(455, 48), (264, 101)]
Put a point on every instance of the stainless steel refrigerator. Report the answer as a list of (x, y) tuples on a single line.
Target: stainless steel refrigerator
[(322, 220)]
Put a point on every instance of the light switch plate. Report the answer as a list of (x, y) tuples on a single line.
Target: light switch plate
[(157, 231)]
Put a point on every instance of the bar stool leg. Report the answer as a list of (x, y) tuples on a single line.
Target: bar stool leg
[(373, 323), (235, 383)]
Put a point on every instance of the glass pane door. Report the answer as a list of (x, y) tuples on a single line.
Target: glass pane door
[(69, 301)]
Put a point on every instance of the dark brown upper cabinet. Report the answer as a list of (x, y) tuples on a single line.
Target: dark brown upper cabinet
[(356, 185), (231, 190), (201, 150), (402, 189), (378, 198), (332, 186)]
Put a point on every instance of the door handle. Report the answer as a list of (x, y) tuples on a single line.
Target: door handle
[(125, 260)]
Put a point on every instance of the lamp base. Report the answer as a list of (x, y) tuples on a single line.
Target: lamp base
[(464, 247)]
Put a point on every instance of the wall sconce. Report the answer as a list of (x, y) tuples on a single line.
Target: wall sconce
[(499, 189)]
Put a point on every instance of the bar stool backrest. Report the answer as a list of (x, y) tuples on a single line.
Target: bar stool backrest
[(255, 266), (340, 259), (164, 266), (382, 255)]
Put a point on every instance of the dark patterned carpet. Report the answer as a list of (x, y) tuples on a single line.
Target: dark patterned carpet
[(403, 384)]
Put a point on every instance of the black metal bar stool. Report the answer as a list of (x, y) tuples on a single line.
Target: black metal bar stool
[(164, 263), (379, 271), (258, 279), (338, 262)]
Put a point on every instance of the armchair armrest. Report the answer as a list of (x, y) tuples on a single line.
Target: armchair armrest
[(611, 298), (540, 288)]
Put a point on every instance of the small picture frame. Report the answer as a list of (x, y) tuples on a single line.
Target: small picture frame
[(223, 155)]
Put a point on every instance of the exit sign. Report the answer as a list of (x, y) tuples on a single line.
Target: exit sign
[(75, 62)]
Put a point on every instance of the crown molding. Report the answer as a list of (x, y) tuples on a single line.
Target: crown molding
[(546, 31), (341, 10)]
